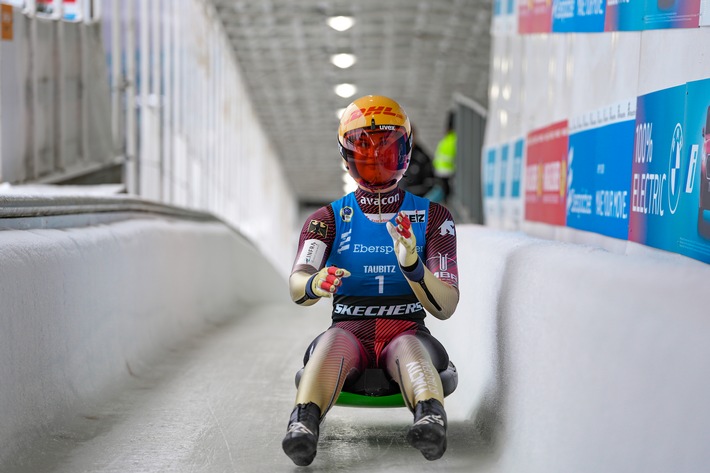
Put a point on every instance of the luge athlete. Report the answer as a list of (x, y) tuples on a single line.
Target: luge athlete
[(386, 257)]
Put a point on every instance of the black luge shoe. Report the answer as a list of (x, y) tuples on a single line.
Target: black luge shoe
[(301, 440), (428, 433)]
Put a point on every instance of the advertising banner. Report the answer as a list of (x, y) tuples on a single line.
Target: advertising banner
[(72, 10), (573, 16), (600, 155), (634, 15), (624, 15), (546, 174), (502, 184), (503, 167), (534, 16), (491, 199), (669, 184), (672, 14), (513, 198), (503, 17)]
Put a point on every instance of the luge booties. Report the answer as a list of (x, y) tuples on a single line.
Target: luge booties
[(428, 433), (301, 440)]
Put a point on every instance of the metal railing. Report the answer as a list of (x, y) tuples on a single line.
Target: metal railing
[(55, 120), (466, 201)]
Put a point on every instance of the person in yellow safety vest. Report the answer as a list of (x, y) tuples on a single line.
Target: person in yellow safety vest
[(445, 162)]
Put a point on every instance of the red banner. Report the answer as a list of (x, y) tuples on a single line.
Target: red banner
[(546, 174), (534, 16)]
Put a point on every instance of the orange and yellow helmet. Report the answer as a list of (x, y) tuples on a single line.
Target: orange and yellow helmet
[(375, 140)]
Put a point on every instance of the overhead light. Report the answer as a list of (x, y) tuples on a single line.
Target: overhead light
[(345, 90), (341, 23), (343, 60)]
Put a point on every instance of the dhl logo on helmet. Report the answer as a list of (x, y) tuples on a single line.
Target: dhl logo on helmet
[(382, 110)]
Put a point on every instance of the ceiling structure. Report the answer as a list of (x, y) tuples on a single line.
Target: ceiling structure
[(420, 52)]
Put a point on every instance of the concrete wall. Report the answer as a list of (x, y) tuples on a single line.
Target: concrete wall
[(82, 308), (578, 359)]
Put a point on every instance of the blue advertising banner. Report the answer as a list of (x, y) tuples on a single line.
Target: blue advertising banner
[(513, 200), (671, 14), (491, 201), (624, 15), (516, 184), (599, 170), (504, 180), (667, 173), (503, 200), (572, 16), (503, 7), (635, 15)]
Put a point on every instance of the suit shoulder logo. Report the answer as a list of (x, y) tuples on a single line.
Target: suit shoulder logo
[(447, 228), (346, 214), (318, 227)]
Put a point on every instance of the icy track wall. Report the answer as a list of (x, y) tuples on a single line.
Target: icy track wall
[(571, 358), (576, 359), (82, 306)]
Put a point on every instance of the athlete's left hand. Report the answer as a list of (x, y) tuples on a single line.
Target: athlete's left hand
[(405, 243)]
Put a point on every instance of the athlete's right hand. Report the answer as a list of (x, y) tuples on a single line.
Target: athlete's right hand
[(326, 282)]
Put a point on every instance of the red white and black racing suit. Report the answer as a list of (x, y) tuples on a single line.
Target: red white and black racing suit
[(379, 310)]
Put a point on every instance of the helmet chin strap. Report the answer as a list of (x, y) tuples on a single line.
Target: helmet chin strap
[(379, 204)]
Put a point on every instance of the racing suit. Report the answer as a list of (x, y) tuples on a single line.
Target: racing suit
[(379, 310)]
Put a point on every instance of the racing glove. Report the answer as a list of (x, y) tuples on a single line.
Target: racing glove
[(307, 288), (325, 282), (405, 243)]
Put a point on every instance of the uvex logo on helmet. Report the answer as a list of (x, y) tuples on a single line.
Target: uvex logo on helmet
[(382, 110)]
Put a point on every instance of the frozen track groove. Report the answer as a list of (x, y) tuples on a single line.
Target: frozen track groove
[(220, 403)]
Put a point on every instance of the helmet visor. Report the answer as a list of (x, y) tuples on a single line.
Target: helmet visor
[(377, 158)]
